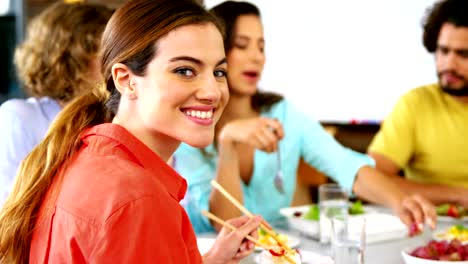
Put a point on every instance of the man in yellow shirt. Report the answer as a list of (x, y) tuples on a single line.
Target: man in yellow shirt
[(426, 133)]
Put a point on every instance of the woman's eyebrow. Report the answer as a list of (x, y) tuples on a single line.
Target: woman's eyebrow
[(222, 61), (195, 60), (186, 58)]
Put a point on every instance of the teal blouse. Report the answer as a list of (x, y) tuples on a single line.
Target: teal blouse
[(304, 137)]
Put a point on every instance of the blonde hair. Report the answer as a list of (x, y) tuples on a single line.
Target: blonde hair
[(61, 42), (130, 37)]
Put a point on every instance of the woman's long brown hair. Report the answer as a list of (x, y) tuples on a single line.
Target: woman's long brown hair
[(131, 38)]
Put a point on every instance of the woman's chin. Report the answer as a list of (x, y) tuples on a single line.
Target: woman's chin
[(244, 91), (199, 141)]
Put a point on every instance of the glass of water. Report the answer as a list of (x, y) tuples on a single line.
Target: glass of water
[(333, 202), (348, 239)]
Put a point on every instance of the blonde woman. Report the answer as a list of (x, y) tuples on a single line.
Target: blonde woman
[(56, 62)]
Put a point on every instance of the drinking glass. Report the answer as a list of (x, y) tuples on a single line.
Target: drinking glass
[(333, 202), (348, 239)]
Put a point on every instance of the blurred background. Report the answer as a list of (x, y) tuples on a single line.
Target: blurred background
[(342, 62), (14, 16)]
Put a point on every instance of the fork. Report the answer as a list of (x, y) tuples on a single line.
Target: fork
[(278, 180)]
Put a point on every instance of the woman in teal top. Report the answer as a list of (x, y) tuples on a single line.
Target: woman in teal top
[(304, 138), (254, 126)]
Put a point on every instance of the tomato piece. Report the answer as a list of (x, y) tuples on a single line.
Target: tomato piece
[(453, 211), (277, 254)]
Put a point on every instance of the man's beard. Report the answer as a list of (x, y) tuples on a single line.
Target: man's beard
[(462, 91), (455, 92)]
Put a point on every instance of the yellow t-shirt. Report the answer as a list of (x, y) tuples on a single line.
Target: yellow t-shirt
[(426, 135)]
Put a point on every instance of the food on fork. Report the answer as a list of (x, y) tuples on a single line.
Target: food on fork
[(264, 226), (278, 256)]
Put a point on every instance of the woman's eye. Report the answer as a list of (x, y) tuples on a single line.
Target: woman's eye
[(220, 73), (185, 72), (240, 46)]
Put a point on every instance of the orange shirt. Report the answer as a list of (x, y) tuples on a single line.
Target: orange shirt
[(118, 203)]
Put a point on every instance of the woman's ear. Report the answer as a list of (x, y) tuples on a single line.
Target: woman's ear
[(123, 80)]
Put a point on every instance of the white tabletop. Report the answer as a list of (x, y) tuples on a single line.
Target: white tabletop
[(386, 252)]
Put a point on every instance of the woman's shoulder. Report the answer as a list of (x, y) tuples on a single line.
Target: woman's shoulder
[(31, 110), (109, 180), (288, 113), (276, 109), (14, 107), (282, 107)]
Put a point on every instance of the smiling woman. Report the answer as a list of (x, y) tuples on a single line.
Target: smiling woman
[(188, 82), (101, 172)]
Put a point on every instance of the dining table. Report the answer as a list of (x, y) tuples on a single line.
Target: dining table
[(382, 252)]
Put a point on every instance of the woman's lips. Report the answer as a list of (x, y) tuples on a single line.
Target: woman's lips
[(200, 115), (251, 76)]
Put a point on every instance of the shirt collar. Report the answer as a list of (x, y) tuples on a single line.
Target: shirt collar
[(174, 183)]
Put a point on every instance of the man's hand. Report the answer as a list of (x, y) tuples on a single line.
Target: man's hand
[(415, 211)]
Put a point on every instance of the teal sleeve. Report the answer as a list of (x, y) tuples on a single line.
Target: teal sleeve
[(198, 170)]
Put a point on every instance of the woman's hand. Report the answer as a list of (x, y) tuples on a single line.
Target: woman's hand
[(261, 133), (415, 211), (231, 246)]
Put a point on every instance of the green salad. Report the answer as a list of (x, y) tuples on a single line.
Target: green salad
[(313, 213), (451, 210), (356, 208)]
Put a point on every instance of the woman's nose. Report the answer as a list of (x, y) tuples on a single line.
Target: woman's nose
[(210, 91)]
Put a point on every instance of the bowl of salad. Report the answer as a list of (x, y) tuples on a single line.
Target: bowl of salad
[(437, 252)]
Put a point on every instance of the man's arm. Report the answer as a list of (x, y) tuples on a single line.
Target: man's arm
[(435, 193), (413, 210)]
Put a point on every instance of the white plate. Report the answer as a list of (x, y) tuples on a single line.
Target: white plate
[(448, 219), (205, 244), (307, 227), (293, 242), (308, 257), (379, 226)]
